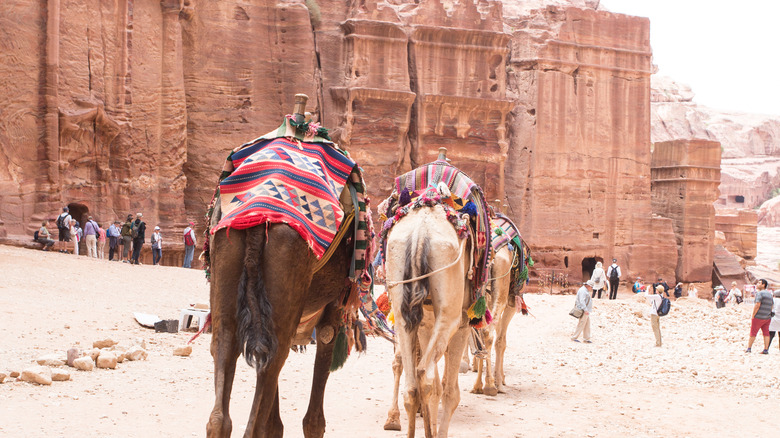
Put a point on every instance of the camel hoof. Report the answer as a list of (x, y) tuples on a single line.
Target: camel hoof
[(392, 425), (464, 368), (501, 390), (476, 390), (492, 392)]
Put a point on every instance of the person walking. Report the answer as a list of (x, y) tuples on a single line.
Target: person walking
[(127, 238), (584, 302), (113, 240), (654, 299), (613, 273), (189, 245), (774, 323), (138, 234), (91, 234), (762, 314), (735, 295), (156, 246), (599, 279), (63, 226), (44, 236)]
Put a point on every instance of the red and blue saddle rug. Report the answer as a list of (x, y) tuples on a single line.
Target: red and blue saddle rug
[(281, 180)]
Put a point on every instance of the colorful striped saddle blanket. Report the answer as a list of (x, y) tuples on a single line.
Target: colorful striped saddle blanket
[(284, 180), (504, 231)]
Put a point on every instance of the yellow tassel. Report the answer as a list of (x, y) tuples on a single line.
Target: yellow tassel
[(391, 317)]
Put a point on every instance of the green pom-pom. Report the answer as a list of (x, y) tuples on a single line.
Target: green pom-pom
[(477, 310), (340, 350), (530, 262)]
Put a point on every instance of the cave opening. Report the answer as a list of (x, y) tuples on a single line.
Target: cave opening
[(588, 265)]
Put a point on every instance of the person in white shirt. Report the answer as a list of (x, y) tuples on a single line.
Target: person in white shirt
[(585, 303), (654, 300), (613, 273), (599, 279), (156, 246), (735, 295)]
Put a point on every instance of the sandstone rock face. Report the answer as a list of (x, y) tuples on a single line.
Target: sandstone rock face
[(740, 231), (118, 107), (37, 374), (685, 179), (85, 363), (751, 151), (769, 213)]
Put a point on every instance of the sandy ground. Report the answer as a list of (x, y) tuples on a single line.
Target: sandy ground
[(699, 384)]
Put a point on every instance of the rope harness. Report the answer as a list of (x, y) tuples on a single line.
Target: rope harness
[(390, 283)]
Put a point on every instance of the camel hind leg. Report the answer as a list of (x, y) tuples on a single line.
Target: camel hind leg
[(490, 382), (450, 390), (501, 330), (394, 415), (314, 421)]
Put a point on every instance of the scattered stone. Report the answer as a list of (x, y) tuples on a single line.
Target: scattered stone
[(182, 350), (14, 374), (94, 353), (59, 375), (73, 354), (50, 360), (120, 356), (105, 343), (38, 374), (84, 363), (2, 377), (139, 342), (136, 353), (107, 359)]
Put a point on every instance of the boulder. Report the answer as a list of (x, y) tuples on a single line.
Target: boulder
[(37, 374), (107, 359), (2, 377), (105, 343), (73, 354), (182, 350), (59, 375), (84, 363), (136, 353), (50, 360)]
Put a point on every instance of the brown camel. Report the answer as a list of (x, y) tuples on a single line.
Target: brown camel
[(430, 311), (267, 294)]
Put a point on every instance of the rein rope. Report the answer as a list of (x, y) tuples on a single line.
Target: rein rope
[(511, 266), (390, 283)]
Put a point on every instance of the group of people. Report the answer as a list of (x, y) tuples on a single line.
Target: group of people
[(608, 280), (125, 239), (723, 297)]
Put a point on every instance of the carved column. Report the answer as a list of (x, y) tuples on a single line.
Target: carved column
[(173, 133)]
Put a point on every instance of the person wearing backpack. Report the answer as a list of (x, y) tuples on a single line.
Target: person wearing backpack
[(63, 225), (655, 300), (613, 273), (189, 245), (138, 232), (127, 238)]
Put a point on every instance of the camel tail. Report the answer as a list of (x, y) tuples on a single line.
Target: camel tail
[(256, 336), (417, 251)]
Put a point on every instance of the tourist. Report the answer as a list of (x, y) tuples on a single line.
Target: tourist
[(678, 291), (113, 240), (63, 226), (661, 282), (762, 314), (127, 238), (774, 323), (735, 295), (91, 234), (584, 302), (44, 236), (720, 297), (692, 291), (156, 246), (638, 286), (189, 245), (654, 299), (599, 279), (613, 273), (76, 235), (138, 233)]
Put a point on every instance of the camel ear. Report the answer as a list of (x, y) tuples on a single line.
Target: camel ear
[(443, 190)]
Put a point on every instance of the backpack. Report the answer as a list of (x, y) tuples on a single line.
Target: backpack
[(35, 235), (188, 237), (665, 306), (613, 275), (61, 221), (134, 230), (126, 230)]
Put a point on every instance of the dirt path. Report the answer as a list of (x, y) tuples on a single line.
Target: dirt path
[(699, 384)]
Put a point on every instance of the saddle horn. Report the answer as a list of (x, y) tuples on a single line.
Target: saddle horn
[(442, 154), (498, 206), (299, 110)]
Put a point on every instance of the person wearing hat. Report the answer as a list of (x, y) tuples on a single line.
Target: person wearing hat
[(189, 245), (156, 246), (654, 299), (661, 282), (613, 274), (585, 303), (138, 233), (720, 297)]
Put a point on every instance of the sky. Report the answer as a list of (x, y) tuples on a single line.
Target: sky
[(727, 51)]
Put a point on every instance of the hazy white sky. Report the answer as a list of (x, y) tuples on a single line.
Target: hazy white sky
[(727, 51)]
